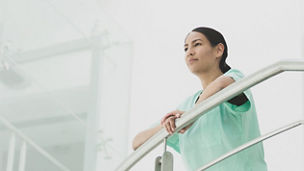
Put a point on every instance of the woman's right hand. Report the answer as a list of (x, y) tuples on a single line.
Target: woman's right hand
[(168, 121)]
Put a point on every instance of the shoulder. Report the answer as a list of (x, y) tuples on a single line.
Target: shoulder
[(243, 101), (235, 74), (234, 70), (228, 78)]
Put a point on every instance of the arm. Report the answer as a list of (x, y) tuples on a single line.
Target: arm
[(143, 136), (215, 86), (219, 84), (168, 122)]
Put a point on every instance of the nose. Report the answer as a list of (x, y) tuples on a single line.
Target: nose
[(190, 52)]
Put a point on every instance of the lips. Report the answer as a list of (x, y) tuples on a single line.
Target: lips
[(192, 60)]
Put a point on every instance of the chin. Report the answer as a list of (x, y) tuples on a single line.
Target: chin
[(193, 71)]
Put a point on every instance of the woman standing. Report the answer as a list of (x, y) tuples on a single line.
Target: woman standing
[(222, 128)]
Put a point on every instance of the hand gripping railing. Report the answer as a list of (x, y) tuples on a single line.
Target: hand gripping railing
[(224, 95)]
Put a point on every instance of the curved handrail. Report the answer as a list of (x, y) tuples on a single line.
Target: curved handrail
[(251, 143), (221, 96)]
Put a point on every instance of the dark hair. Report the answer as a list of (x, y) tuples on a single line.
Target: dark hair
[(215, 38)]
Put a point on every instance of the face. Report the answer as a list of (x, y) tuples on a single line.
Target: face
[(200, 56)]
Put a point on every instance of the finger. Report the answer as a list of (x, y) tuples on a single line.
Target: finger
[(172, 124), (182, 130), (167, 126), (187, 127), (167, 116)]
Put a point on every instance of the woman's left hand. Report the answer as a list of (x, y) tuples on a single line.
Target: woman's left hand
[(168, 121)]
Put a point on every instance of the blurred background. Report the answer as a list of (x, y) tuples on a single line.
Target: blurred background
[(79, 79)]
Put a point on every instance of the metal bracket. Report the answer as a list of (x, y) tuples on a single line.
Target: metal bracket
[(164, 162)]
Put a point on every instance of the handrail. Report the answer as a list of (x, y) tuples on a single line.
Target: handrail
[(221, 96), (33, 144), (251, 143)]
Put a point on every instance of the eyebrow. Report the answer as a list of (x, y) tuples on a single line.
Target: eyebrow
[(194, 41)]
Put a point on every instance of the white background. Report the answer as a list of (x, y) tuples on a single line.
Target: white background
[(258, 33)]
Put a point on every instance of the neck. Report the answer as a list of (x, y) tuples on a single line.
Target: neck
[(209, 76)]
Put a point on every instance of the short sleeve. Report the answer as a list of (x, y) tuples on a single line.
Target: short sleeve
[(173, 141), (236, 75)]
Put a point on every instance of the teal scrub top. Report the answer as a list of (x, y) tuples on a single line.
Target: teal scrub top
[(217, 132)]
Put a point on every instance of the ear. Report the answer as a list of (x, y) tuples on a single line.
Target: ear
[(219, 50)]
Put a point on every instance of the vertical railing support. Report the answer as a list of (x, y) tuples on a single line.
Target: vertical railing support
[(11, 153), (29, 142), (22, 159), (157, 164), (164, 163), (167, 161)]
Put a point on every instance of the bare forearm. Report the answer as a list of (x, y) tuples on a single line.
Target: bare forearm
[(210, 90), (215, 86), (143, 136)]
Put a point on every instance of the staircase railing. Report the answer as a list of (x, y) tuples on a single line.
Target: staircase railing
[(251, 143), (26, 140), (221, 96)]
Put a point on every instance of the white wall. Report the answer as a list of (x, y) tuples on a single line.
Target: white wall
[(258, 33)]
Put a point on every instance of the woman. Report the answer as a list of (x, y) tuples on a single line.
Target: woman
[(222, 128)]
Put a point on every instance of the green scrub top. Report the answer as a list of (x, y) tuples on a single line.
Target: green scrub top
[(218, 131)]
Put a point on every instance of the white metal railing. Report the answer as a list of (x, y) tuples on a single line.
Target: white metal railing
[(224, 95), (251, 143), (26, 141)]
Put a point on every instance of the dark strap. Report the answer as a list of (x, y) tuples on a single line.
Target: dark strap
[(239, 100)]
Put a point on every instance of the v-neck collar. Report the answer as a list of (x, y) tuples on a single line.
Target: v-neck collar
[(197, 96)]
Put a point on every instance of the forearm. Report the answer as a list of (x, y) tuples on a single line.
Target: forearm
[(210, 90), (215, 86), (219, 84), (143, 136)]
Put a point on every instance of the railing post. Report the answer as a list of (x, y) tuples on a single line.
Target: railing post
[(11, 153), (157, 164), (22, 158), (164, 162), (167, 159), (29, 141)]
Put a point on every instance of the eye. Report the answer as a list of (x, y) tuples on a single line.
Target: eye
[(197, 44), (185, 49)]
